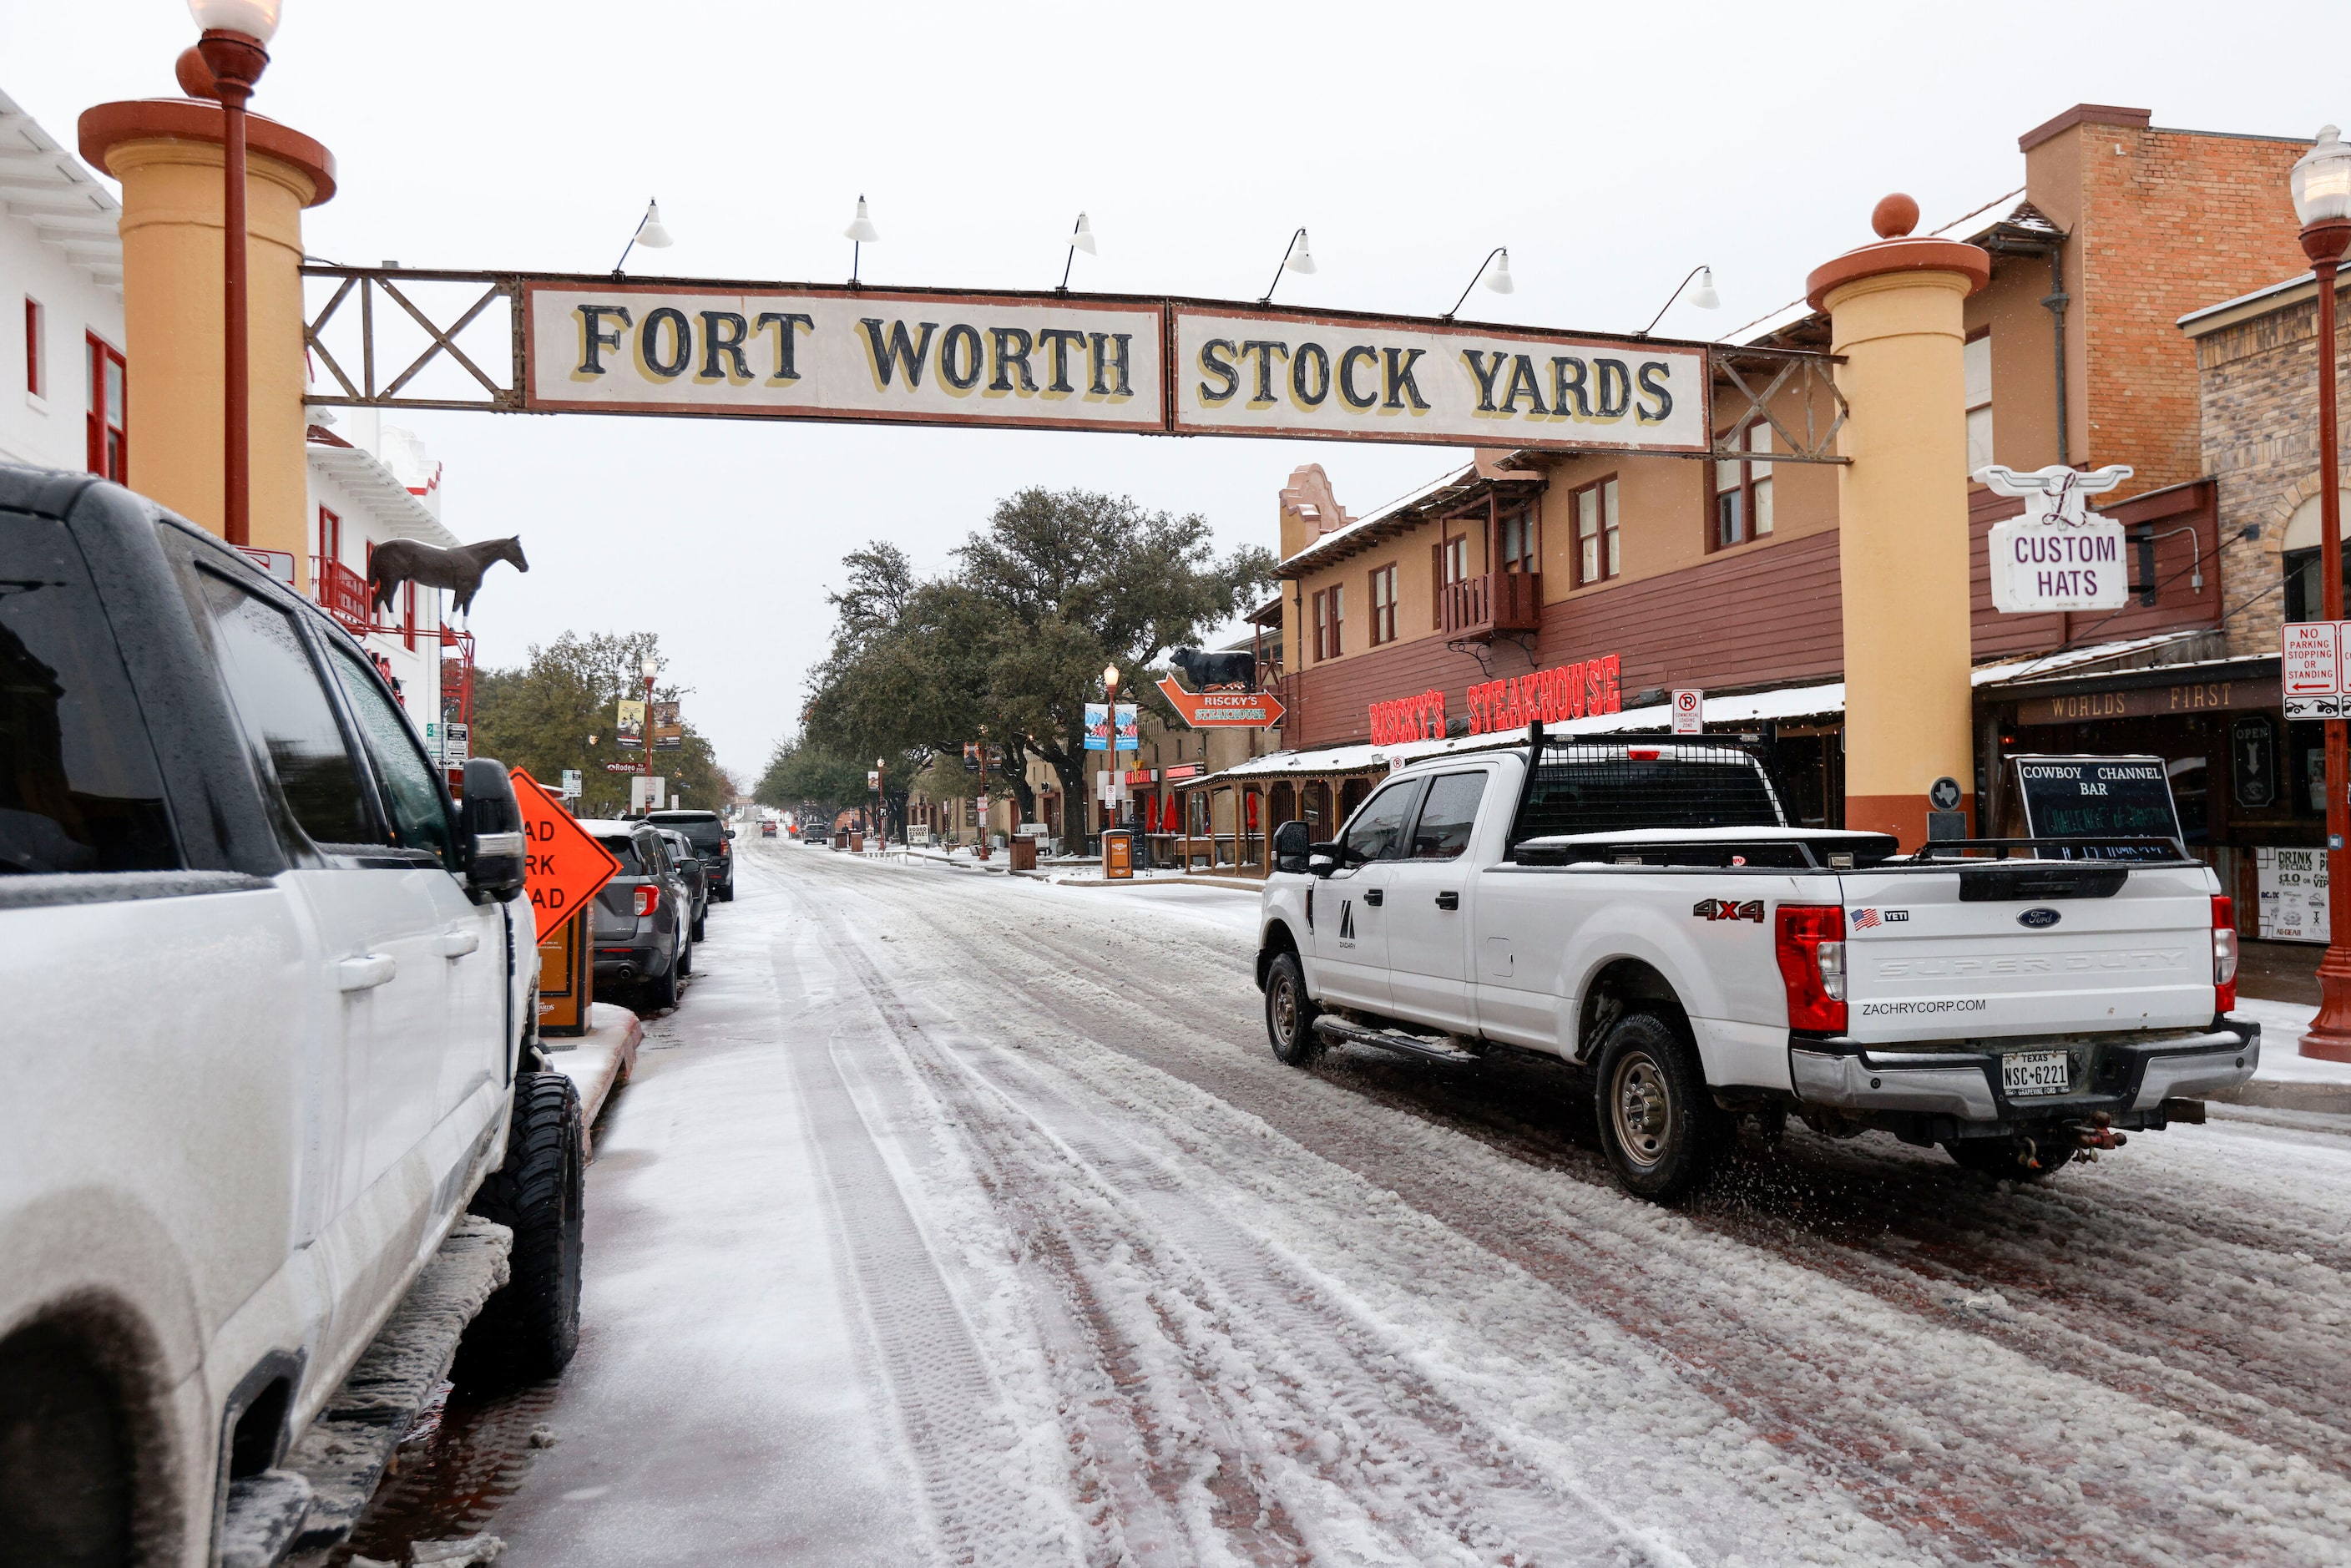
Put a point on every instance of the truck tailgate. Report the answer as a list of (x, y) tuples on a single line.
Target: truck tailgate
[(2007, 949)]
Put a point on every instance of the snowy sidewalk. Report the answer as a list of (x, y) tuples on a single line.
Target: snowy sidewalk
[(2288, 1080), (599, 1060)]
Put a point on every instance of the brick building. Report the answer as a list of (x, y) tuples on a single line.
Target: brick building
[(1723, 574)]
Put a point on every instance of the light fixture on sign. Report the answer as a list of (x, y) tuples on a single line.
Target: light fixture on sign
[(1297, 259), (1703, 297), (1081, 239), (649, 234), (1495, 269), (859, 233)]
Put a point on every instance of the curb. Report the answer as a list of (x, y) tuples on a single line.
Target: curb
[(2276, 1094)]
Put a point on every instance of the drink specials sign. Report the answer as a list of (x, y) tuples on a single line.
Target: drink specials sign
[(1080, 362), (864, 354)]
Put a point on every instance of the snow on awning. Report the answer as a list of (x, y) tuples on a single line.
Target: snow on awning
[(375, 487), (1821, 700)]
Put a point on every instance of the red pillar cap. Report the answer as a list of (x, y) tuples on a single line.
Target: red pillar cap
[(106, 126), (1894, 219)]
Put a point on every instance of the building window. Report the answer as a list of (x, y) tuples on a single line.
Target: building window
[(1598, 555), (1976, 358), (1520, 551), (331, 537), (1742, 490), (1448, 563), (408, 613), (1384, 588), (37, 370), (110, 442)]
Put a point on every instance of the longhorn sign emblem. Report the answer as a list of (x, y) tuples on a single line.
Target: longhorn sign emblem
[(2055, 494)]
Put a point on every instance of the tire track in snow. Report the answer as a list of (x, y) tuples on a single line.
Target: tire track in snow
[(1222, 1311), (2061, 1525)]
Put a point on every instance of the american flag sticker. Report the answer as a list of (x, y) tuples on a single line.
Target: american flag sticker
[(1865, 919)]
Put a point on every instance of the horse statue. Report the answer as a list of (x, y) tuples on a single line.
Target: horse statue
[(459, 570)]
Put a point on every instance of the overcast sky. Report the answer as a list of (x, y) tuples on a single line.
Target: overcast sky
[(1610, 149)]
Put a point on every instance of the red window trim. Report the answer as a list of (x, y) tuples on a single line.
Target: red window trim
[(1575, 532), (1383, 617), (103, 421), (36, 380)]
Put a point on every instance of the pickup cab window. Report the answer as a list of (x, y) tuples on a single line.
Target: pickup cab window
[(1377, 831), (1446, 817), (419, 818), (79, 790), (279, 700)]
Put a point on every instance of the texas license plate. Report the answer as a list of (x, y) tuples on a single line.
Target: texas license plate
[(2036, 1072)]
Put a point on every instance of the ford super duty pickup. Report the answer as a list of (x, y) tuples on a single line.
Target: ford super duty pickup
[(1646, 913)]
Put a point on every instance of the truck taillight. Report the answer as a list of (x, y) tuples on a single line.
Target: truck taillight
[(1811, 950), (648, 900), (2225, 953)]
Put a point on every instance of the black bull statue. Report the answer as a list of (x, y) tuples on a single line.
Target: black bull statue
[(1215, 672), (459, 570)]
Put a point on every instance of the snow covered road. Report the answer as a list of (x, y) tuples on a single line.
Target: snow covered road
[(964, 1218)]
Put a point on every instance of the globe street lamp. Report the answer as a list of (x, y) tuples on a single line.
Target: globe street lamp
[(1110, 791), (2321, 200), (648, 668), (233, 46)]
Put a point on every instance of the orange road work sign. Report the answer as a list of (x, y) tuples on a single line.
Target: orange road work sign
[(563, 866), (1222, 710)]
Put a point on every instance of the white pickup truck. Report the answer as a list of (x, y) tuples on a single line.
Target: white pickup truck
[(273, 1125), (1644, 912)]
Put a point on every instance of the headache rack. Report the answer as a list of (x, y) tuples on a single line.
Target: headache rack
[(1842, 851), (1621, 786), (2135, 851)]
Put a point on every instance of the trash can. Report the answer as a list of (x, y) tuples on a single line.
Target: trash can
[(1118, 854), (1024, 853), (857, 840)]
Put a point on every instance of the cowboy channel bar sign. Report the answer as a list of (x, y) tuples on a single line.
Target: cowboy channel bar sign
[(1099, 362)]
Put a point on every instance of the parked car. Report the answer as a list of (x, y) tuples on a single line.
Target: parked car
[(271, 1039), (642, 930), (817, 833), (1645, 913), (690, 869), (713, 844)]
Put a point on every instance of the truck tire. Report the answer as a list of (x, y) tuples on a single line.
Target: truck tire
[(726, 894), (701, 923), (528, 1330), (67, 1464), (1659, 1126), (1290, 1012)]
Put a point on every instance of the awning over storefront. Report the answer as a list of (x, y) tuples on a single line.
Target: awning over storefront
[(2044, 675)]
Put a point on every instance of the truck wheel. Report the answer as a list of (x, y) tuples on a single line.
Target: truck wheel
[(1659, 1126), (662, 994), (700, 922), (528, 1330), (726, 894), (67, 1461), (2002, 1157), (1290, 1012)]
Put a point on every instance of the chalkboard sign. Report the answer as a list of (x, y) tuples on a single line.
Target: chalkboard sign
[(2097, 797)]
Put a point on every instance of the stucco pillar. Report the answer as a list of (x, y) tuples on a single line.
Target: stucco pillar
[(1902, 504), (168, 154)]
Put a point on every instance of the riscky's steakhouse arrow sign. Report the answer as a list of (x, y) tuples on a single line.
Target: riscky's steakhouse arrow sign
[(1093, 362), (1222, 710)]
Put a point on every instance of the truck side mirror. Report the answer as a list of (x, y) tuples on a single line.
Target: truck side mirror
[(489, 831), (1324, 857), (1292, 842)]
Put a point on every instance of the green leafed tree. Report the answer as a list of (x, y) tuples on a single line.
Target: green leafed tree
[(540, 714), (799, 775), (1057, 585)]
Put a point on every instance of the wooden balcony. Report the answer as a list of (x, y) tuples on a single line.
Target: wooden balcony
[(342, 594), (1480, 609)]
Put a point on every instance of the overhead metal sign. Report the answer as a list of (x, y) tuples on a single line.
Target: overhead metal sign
[(408, 338), (863, 354), (1355, 378)]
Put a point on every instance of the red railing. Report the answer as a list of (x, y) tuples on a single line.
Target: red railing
[(1495, 602), (342, 594)]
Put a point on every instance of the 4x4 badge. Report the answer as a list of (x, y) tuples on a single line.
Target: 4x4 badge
[(1728, 909)]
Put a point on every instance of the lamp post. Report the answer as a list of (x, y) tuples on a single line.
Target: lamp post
[(235, 33), (882, 801), (2321, 200), (648, 669), (1110, 791)]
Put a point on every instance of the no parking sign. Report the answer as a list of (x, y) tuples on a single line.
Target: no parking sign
[(1689, 712)]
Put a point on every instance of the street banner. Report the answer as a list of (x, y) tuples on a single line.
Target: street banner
[(1098, 726), (669, 733), (915, 357), (631, 722), (1222, 710), (1130, 727), (564, 865), (1368, 378), (873, 779)]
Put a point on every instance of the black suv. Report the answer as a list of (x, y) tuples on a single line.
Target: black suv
[(709, 835)]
